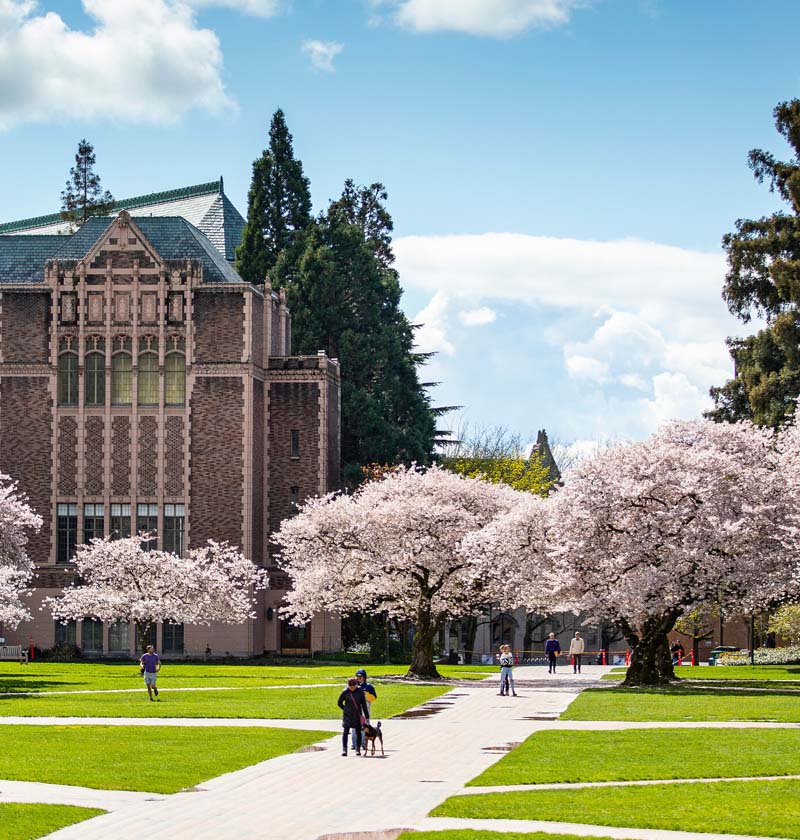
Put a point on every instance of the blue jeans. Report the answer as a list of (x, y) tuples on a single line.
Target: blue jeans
[(358, 733), (506, 673)]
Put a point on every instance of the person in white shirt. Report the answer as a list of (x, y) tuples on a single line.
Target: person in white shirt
[(576, 648), (506, 673)]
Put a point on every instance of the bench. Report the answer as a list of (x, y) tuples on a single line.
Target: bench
[(13, 652)]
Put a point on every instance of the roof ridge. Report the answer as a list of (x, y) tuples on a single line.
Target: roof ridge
[(125, 204)]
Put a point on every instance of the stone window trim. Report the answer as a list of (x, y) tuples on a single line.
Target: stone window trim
[(147, 379), (121, 378), (67, 376), (175, 379), (94, 379), (66, 532), (295, 444)]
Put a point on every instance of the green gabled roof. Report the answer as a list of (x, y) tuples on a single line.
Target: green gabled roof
[(210, 188)]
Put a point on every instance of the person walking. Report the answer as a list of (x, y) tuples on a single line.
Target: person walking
[(149, 666), (552, 648), (506, 671), (576, 648), (370, 695), (354, 713)]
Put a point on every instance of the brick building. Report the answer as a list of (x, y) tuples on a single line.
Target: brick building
[(144, 385)]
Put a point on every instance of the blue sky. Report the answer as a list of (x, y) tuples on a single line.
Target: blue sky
[(560, 172)]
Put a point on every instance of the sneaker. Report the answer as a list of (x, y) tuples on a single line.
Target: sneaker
[(358, 752), (345, 752), (155, 691), (514, 694)]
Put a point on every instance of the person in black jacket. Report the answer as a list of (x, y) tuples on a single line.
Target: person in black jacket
[(354, 712)]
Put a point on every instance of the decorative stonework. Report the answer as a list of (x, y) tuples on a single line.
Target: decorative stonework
[(120, 456), (149, 312), (122, 307), (93, 457), (148, 471), (173, 458), (95, 308), (67, 456)]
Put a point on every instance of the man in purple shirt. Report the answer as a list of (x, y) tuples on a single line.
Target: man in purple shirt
[(552, 648), (150, 665)]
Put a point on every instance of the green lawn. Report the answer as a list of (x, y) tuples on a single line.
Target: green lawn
[(237, 703), (469, 834), (26, 822), (684, 703), (758, 808), (163, 759), (99, 676), (632, 754), (738, 673)]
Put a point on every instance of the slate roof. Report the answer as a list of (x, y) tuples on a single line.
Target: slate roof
[(22, 258), (204, 205)]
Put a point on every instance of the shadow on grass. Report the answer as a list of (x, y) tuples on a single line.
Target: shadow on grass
[(36, 685)]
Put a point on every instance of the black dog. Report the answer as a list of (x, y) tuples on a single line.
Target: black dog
[(371, 733)]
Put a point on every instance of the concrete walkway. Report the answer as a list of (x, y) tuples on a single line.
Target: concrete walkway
[(316, 794)]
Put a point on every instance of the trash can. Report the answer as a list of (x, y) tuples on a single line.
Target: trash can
[(452, 657)]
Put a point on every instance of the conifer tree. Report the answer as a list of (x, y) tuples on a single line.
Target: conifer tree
[(278, 205), (345, 299), (83, 195), (764, 279)]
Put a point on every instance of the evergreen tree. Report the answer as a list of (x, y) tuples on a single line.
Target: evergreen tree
[(764, 279), (278, 206), (83, 195), (345, 299)]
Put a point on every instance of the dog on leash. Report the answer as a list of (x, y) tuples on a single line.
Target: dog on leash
[(371, 734)]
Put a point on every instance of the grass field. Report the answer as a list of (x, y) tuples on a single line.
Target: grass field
[(162, 759), (283, 704), (26, 822), (684, 703), (469, 834), (753, 807), (98, 676), (626, 755), (765, 674)]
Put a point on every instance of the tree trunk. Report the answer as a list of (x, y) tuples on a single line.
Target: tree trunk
[(651, 663), (425, 633)]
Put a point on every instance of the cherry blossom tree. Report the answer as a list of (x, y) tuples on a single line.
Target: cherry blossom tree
[(395, 546), (122, 581), (16, 568), (696, 515)]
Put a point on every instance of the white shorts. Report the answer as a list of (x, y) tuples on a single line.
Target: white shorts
[(150, 677)]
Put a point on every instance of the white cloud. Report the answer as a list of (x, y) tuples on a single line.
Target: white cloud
[(585, 367), (322, 54), (495, 18), (431, 337), (142, 62), (256, 8), (477, 317)]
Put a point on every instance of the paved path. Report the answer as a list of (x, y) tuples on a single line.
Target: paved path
[(311, 795)]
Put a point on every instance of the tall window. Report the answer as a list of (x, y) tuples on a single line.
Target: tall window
[(294, 499), (119, 637), (295, 443), (175, 379), (171, 637), (91, 635), (121, 379), (120, 522), (65, 632), (94, 379), (174, 517), (66, 532), (93, 522), (148, 379), (68, 379), (147, 521), (149, 640)]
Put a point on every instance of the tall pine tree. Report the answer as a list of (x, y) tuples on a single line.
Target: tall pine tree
[(278, 205), (345, 298), (764, 279), (83, 195)]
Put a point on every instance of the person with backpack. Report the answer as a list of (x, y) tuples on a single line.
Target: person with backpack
[(354, 713)]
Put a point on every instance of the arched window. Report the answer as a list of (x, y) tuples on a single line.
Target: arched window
[(94, 379), (148, 379), (68, 379), (121, 379), (175, 379)]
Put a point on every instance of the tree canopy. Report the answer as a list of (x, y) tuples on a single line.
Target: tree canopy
[(763, 280), (83, 196), (278, 205)]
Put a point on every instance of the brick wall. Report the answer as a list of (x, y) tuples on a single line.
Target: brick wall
[(148, 456), (173, 457), (258, 473), (334, 434), (93, 476), (67, 456), (217, 466), (293, 405), (120, 456), (26, 448), (25, 328), (275, 336), (219, 327), (257, 351)]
